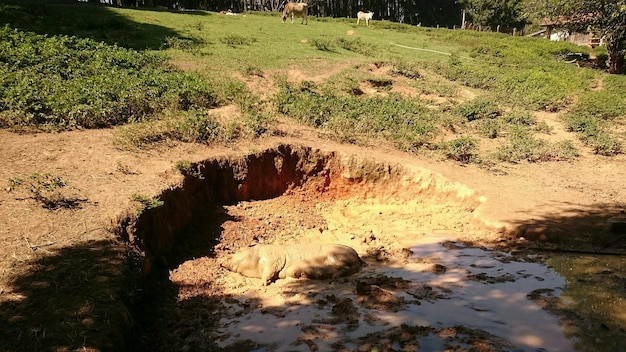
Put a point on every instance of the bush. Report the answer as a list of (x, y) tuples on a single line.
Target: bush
[(463, 149), (490, 128), (323, 44), (591, 118), (65, 82), (235, 40), (520, 118), (479, 108), (523, 146), (406, 122), (356, 45), (187, 126)]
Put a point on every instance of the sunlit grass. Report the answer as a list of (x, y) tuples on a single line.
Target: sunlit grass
[(481, 77)]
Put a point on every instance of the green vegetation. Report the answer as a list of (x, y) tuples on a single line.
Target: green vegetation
[(67, 82), (522, 145), (595, 115), (408, 123), (162, 76), (46, 189), (145, 203)]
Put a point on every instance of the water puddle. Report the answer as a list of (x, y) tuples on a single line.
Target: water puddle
[(445, 295)]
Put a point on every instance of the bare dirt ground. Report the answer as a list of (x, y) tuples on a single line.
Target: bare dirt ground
[(67, 283)]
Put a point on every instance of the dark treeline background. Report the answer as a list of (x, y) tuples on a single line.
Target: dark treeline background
[(431, 13)]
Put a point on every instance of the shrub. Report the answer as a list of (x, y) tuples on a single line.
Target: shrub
[(490, 128), (478, 108), (407, 70), (523, 146), (66, 82), (323, 44), (406, 122), (47, 189), (357, 46), (463, 149), (235, 40), (520, 118)]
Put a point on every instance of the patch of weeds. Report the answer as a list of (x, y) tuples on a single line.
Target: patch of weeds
[(408, 123), (384, 83), (253, 71), (479, 108), (60, 83), (523, 146), (46, 189), (235, 40), (490, 128), (356, 45), (407, 70), (125, 169), (194, 126), (184, 44), (323, 45), (543, 127), (520, 118), (232, 131), (565, 150), (235, 92), (145, 203), (606, 105), (604, 143), (257, 123), (463, 149), (187, 168), (594, 132)]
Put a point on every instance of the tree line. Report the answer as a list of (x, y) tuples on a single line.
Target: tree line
[(431, 13), (606, 18)]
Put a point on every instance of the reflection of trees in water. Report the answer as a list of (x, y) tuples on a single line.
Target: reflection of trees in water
[(596, 295)]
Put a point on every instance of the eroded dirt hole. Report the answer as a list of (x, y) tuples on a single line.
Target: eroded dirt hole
[(423, 285)]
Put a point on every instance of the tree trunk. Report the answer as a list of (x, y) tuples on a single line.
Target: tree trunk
[(616, 59)]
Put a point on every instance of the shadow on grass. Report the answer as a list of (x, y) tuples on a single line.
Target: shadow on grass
[(97, 22), (72, 298)]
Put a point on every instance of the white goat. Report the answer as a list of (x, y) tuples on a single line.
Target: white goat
[(366, 16)]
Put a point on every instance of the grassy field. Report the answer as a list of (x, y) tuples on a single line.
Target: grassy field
[(474, 95)]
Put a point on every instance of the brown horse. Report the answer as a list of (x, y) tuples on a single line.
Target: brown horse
[(296, 9)]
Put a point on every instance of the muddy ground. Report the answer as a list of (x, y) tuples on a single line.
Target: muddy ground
[(67, 282)]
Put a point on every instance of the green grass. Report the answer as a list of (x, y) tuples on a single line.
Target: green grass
[(65, 82), (110, 66)]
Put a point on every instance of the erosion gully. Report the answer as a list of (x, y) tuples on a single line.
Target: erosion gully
[(423, 287)]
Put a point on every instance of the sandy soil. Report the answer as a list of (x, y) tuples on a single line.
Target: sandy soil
[(66, 282)]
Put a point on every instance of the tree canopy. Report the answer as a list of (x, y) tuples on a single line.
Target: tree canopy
[(606, 18), (494, 13)]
